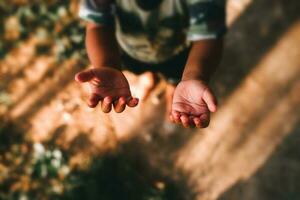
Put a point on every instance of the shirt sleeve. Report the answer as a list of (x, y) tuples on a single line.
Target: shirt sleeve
[(207, 19), (97, 11)]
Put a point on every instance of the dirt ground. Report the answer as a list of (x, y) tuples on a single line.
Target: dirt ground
[(251, 149)]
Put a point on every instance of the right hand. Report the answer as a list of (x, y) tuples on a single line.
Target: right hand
[(109, 86)]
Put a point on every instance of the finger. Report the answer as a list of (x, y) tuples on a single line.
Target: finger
[(84, 76), (185, 120), (120, 105), (197, 122), (106, 104), (191, 121), (204, 120), (132, 102), (171, 118), (210, 100), (176, 117), (93, 100)]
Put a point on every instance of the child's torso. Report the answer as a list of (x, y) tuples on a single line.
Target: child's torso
[(155, 35)]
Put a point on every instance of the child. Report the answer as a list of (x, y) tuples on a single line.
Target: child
[(181, 39)]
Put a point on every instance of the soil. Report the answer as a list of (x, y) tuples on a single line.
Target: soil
[(251, 149)]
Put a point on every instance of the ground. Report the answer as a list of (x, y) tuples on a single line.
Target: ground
[(250, 151)]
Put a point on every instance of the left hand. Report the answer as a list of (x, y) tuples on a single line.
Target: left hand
[(192, 103)]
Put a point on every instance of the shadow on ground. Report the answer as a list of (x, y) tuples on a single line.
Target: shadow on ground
[(277, 179)]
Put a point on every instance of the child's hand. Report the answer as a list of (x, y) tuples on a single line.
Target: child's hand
[(192, 103), (109, 86)]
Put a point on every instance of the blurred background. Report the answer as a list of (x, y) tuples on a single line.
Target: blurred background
[(52, 146)]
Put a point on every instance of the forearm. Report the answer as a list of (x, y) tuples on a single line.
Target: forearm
[(102, 46), (203, 59)]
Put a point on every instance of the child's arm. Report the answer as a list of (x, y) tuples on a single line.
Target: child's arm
[(102, 46), (193, 100), (204, 57), (107, 83)]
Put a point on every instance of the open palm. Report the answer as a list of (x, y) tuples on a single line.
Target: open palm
[(109, 86), (192, 103)]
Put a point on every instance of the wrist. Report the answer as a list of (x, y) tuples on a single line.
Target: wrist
[(110, 64), (194, 76)]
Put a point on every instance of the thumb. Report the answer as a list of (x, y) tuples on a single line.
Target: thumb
[(84, 76), (210, 100)]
